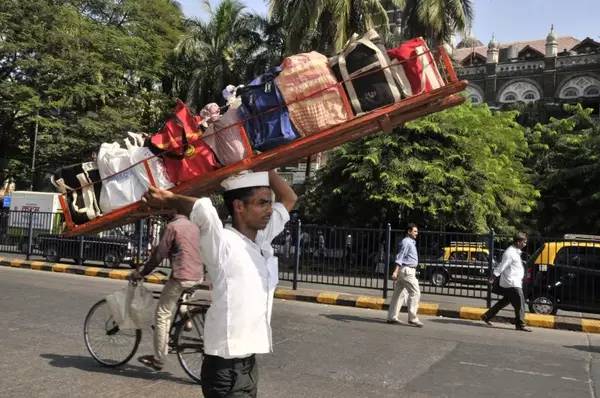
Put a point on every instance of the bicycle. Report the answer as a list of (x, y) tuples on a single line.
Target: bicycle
[(112, 347)]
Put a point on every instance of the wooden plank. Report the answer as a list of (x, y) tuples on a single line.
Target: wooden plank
[(282, 155), (385, 118)]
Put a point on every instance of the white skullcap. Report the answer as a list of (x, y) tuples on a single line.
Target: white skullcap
[(246, 179)]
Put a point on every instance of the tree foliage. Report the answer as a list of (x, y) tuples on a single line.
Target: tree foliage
[(461, 169), (436, 20), (83, 72), (325, 25), (566, 165)]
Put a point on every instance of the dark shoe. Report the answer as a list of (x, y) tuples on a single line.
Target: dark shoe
[(523, 329), (393, 322), (487, 321), (149, 361), (417, 324)]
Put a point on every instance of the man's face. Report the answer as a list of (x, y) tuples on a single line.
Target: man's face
[(413, 233), (522, 243), (256, 211)]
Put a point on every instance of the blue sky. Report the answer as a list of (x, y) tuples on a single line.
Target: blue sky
[(509, 20)]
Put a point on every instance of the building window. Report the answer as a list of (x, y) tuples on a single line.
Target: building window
[(581, 86), (592, 91), (570, 93), (519, 91)]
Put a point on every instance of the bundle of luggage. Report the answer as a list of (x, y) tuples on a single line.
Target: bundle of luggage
[(308, 93)]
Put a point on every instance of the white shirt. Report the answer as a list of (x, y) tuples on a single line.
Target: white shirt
[(510, 270), (244, 275)]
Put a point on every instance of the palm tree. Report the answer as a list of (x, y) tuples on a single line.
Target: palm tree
[(436, 20), (325, 25), (215, 53)]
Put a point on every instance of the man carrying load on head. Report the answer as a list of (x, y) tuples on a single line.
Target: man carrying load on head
[(244, 272)]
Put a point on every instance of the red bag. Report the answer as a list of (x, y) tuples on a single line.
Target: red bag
[(417, 69), (179, 143)]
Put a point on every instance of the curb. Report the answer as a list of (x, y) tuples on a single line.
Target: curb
[(332, 298)]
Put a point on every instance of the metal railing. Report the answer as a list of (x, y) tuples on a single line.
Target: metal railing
[(560, 272)]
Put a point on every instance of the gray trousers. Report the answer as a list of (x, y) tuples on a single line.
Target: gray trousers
[(165, 310)]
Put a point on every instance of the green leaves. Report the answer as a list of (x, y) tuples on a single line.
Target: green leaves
[(456, 170), (566, 167), (85, 71)]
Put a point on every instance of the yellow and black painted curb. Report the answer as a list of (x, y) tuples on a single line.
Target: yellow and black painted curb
[(332, 298)]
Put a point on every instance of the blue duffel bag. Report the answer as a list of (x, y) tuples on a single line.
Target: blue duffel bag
[(267, 119)]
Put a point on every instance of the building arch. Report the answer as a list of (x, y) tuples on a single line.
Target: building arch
[(475, 94), (580, 86), (523, 90)]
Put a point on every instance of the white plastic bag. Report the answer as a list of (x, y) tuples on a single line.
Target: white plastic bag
[(132, 307), (119, 303), (137, 153), (119, 188), (141, 309)]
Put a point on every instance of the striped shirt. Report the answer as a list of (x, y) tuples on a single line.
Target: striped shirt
[(407, 255)]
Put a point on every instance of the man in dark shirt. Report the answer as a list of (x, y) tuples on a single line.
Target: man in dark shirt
[(180, 244)]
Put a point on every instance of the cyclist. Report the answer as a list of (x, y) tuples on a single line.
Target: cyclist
[(179, 243), (244, 272)]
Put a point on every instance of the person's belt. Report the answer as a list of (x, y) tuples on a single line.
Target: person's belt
[(234, 363)]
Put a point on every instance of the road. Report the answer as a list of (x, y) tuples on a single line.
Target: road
[(320, 351)]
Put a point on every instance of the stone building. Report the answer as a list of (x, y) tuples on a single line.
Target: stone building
[(555, 70)]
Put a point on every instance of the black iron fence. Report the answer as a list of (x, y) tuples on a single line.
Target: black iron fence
[(560, 272)]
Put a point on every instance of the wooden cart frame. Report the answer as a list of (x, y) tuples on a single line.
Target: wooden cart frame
[(382, 119)]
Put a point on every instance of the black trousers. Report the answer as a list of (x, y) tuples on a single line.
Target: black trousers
[(231, 378), (513, 296)]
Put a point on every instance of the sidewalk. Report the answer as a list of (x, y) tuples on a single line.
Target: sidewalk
[(433, 305)]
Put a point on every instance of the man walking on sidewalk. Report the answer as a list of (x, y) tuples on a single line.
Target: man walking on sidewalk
[(511, 273), (405, 275)]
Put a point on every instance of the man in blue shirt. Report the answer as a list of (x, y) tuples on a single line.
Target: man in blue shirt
[(405, 275)]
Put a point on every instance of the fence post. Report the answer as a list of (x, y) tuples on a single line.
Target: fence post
[(140, 242), (81, 248), (297, 255), (30, 235), (491, 239), (386, 266)]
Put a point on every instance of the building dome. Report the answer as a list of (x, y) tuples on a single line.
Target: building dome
[(551, 38), (469, 42), (493, 44)]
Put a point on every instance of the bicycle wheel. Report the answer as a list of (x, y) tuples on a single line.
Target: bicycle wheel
[(108, 344), (189, 343)]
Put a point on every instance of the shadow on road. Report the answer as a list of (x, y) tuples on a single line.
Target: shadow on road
[(586, 348), (465, 322), (352, 318), (89, 365)]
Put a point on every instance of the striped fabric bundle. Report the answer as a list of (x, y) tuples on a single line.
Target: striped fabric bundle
[(314, 99), (415, 66)]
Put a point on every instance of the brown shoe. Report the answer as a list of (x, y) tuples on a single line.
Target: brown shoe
[(151, 362), (417, 324), (393, 322)]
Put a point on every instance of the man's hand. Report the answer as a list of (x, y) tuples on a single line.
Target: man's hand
[(395, 276), (491, 280), (156, 198), (135, 276)]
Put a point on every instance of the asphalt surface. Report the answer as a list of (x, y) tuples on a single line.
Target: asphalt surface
[(320, 351)]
